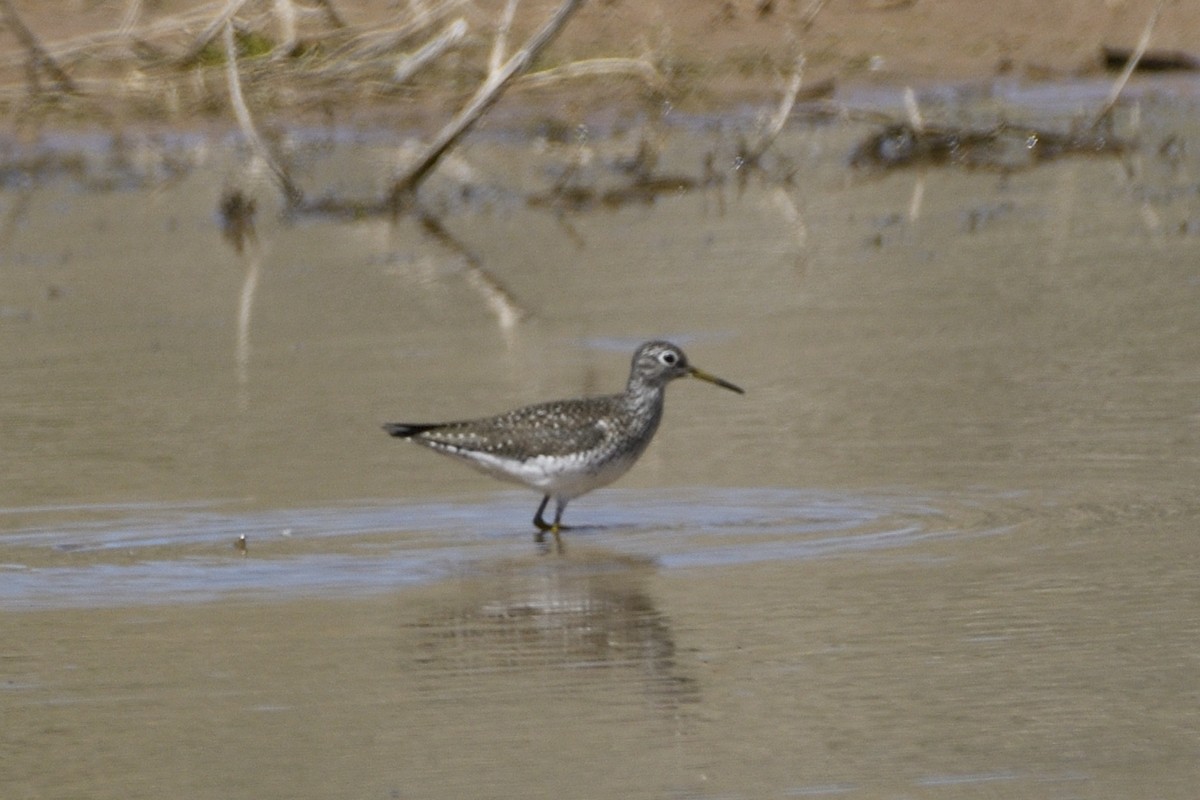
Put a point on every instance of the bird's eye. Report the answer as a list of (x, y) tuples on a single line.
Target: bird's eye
[(668, 358)]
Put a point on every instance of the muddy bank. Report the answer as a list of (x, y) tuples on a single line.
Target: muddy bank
[(336, 63)]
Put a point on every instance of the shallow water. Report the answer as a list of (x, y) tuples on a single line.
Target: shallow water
[(945, 546), (191, 553)]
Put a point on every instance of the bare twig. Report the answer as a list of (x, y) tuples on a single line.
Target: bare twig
[(410, 65), (285, 12), (500, 43), (90, 45), (1139, 51), (291, 191), (594, 67), (484, 98), (211, 31), (775, 125), (38, 54), (913, 111), (376, 43)]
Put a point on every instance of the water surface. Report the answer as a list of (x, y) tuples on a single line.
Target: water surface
[(945, 546)]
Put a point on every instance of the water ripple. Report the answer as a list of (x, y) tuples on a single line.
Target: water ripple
[(89, 556)]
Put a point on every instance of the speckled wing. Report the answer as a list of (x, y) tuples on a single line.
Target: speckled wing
[(561, 428)]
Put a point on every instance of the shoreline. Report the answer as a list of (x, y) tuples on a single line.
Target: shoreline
[(705, 59)]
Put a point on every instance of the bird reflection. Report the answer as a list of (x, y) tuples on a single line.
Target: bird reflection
[(583, 612)]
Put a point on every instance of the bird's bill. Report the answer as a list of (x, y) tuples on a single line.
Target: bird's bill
[(704, 376)]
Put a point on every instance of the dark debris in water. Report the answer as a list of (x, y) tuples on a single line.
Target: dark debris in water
[(1151, 60), (641, 190), (1003, 147), (237, 219)]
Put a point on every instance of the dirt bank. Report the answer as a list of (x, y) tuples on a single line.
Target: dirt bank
[(152, 65)]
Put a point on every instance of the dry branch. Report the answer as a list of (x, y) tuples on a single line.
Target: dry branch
[(39, 56), (1139, 51), (484, 98), (779, 119), (450, 36), (594, 67), (91, 45), (500, 43), (211, 31), (913, 110), (290, 190), (376, 42), (285, 12)]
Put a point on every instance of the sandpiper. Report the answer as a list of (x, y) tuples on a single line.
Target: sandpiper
[(566, 448)]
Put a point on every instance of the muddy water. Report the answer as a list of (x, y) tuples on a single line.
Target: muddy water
[(945, 546)]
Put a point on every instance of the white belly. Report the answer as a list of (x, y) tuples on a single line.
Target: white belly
[(563, 478)]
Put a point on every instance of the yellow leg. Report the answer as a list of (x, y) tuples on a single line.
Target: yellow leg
[(549, 527)]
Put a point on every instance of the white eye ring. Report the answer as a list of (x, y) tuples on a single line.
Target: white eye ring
[(668, 358)]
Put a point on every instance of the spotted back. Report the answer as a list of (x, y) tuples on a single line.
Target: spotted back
[(563, 427)]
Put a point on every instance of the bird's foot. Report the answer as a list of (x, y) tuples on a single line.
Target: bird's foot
[(540, 539), (548, 527)]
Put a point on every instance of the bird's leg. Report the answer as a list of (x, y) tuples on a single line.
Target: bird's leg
[(550, 527), (559, 507), (540, 523)]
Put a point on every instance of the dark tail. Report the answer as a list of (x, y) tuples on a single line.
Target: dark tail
[(404, 431)]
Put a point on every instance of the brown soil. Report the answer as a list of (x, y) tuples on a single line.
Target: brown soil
[(711, 52)]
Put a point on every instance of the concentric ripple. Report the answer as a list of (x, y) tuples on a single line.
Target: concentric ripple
[(153, 554)]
